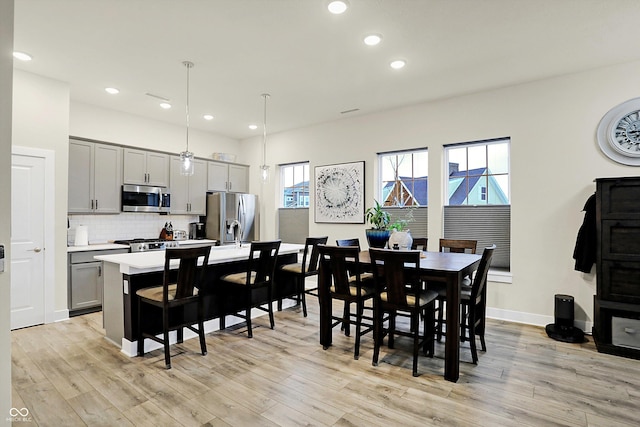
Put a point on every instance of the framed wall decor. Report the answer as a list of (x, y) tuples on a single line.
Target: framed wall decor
[(340, 193)]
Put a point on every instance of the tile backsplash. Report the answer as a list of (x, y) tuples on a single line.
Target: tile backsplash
[(105, 228)]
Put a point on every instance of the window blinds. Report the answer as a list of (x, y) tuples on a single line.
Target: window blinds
[(418, 226), (293, 225), (486, 224)]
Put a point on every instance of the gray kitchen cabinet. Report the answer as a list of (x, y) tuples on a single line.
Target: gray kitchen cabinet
[(228, 177), (95, 177), (143, 167), (188, 193), (218, 176), (86, 286), (85, 281), (238, 179)]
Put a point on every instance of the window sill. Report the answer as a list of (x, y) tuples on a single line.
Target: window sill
[(501, 275)]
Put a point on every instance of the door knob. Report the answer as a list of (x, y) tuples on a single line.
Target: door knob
[(36, 249)]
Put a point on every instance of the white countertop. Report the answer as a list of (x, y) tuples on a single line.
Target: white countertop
[(144, 262), (196, 242), (107, 246), (96, 247)]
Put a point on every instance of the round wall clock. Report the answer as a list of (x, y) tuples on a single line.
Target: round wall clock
[(619, 133)]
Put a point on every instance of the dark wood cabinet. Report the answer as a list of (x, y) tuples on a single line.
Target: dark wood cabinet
[(616, 327)]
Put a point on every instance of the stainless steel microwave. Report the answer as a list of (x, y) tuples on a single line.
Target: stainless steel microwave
[(144, 198)]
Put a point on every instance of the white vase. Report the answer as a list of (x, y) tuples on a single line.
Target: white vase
[(401, 238)]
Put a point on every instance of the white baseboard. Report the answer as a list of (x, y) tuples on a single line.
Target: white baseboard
[(60, 315), (531, 318), (130, 348)]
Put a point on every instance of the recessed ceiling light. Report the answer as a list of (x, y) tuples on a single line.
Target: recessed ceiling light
[(165, 105), (22, 56), (208, 117), (372, 39), (253, 127), (111, 90), (398, 63), (338, 6)]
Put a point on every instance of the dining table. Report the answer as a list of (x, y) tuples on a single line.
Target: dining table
[(444, 267)]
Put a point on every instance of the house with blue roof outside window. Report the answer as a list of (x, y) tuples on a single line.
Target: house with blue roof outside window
[(467, 187)]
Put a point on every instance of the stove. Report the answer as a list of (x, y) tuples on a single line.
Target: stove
[(145, 245)]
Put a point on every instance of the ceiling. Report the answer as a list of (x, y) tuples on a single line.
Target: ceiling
[(314, 64)]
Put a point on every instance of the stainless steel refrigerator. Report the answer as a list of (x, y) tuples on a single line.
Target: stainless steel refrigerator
[(231, 215)]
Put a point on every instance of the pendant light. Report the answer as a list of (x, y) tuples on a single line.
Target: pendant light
[(186, 157), (264, 168)]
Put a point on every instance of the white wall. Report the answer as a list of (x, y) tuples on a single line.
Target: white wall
[(554, 160), (41, 120), (92, 122), (6, 78)]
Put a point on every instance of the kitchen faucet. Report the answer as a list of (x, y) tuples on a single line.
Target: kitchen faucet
[(236, 228)]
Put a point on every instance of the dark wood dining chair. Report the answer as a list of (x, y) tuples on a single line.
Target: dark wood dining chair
[(348, 242), (475, 302), (175, 301), (366, 276), (348, 285), (419, 243), (398, 288), (457, 246), (252, 282), (354, 243), (307, 268)]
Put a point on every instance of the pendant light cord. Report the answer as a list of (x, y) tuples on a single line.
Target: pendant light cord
[(264, 131), (189, 65)]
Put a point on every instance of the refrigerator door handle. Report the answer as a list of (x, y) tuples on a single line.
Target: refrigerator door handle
[(241, 216)]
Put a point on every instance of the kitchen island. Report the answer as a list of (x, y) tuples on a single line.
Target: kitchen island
[(125, 273), (84, 276)]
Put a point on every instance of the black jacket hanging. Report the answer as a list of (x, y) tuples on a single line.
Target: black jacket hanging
[(585, 251)]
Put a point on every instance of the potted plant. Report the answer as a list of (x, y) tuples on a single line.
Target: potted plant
[(379, 233), (400, 235)]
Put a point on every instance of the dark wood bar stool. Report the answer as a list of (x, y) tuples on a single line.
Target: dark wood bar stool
[(419, 243), (457, 246), (398, 288), (174, 299), (307, 268), (474, 302), (350, 286), (348, 242), (352, 242), (257, 277)]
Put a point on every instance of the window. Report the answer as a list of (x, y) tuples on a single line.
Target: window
[(403, 183), (294, 185), (478, 173), (403, 178), (478, 203)]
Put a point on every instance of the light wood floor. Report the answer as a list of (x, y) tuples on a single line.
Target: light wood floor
[(67, 374)]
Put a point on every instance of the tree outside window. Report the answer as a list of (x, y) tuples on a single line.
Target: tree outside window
[(403, 178)]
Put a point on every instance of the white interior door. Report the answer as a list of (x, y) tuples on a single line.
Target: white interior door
[(27, 241)]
